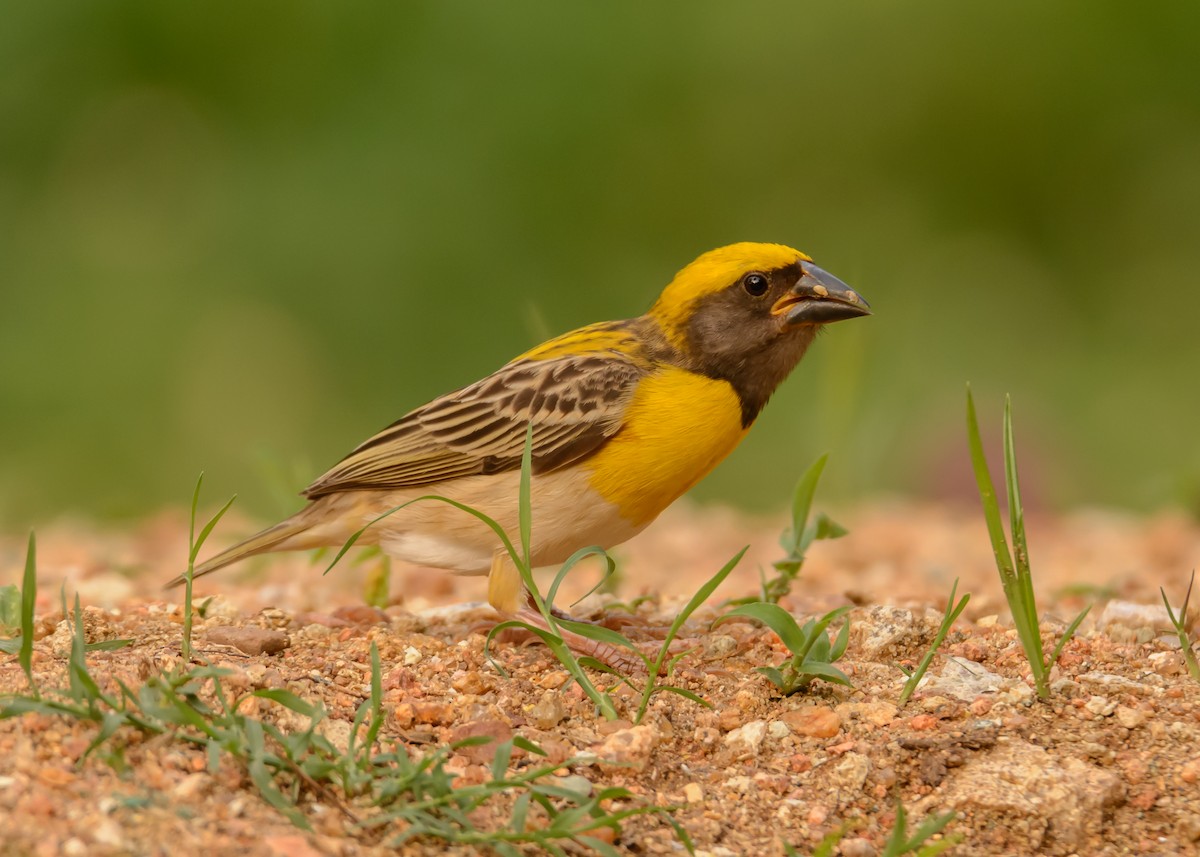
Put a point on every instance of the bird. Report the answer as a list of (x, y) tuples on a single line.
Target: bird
[(625, 417)]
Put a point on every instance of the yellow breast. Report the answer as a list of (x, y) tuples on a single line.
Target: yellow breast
[(678, 427)]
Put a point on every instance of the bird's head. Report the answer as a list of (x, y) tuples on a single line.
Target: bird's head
[(748, 311)]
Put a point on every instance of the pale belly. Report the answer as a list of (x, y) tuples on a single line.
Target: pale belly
[(568, 515)]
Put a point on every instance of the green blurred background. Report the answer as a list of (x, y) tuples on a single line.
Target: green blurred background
[(242, 237)]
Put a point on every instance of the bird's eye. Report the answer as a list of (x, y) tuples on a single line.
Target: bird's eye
[(755, 284)]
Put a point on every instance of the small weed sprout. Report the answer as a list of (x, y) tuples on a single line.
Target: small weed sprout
[(829, 842), (953, 609), (195, 543), (1180, 623), (10, 615), (812, 654), (1016, 577), (901, 843), (798, 537), (16, 612)]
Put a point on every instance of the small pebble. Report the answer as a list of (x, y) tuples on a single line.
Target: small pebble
[(548, 711), (719, 646), (251, 640), (1098, 706), (1130, 718), (748, 739), (778, 730), (813, 721), (631, 747)]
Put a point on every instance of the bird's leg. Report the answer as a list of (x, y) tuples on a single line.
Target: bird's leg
[(504, 584)]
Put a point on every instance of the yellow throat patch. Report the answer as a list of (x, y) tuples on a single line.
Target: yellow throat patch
[(658, 454)]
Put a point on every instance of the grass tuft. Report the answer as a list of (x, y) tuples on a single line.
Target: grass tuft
[(812, 654), (1180, 623), (195, 544), (1015, 574), (951, 614), (798, 537), (901, 842)]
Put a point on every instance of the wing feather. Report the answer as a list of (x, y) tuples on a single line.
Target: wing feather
[(575, 402)]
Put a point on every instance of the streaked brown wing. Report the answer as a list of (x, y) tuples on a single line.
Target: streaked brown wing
[(575, 403)]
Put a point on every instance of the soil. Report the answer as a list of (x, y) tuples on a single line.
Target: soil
[(1110, 765)]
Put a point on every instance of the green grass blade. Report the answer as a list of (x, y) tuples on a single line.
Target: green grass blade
[(830, 840), (693, 604), (107, 645), (28, 600), (933, 849), (802, 501), (840, 643), (81, 684), (376, 699), (528, 746), (573, 560), (289, 700), (703, 594), (949, 617), (192, 520), (1066, 637), (686, 694), (987, 493), (206, 531), (501, 759), (774, 617), (897, 843), (1012, 484), (1016, 522), (1180, 623), (826, 671), (815, 629), (931, 826), (1016, 579), (195, 544), (775, 676)]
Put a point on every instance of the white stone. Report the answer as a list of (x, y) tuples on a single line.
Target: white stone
[(747, 739)]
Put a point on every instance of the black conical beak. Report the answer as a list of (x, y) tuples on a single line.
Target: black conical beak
[(819, 298)]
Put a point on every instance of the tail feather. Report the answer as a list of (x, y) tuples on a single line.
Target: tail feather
[(270, 539)]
